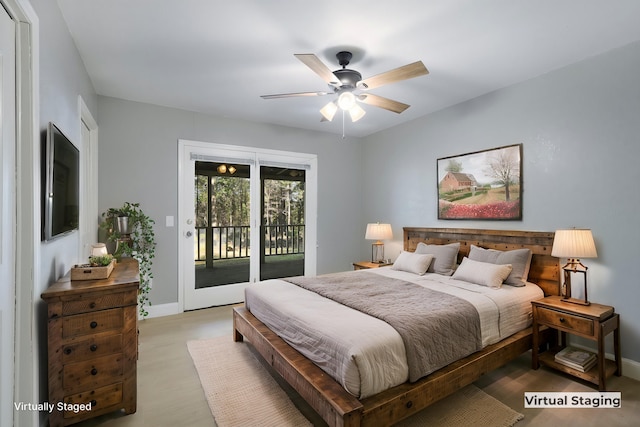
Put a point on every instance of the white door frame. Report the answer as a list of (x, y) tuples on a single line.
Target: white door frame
[(8, 163), (27, 228), (251, 155), (89, 183)]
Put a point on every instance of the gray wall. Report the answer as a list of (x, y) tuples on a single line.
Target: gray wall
[(138, 163), (62, 79), (580, 131)]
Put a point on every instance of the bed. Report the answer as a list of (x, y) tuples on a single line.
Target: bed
[(386, 403)]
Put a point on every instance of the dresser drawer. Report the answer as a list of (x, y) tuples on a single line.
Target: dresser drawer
[(565, 321), (92, 373), (92, 323), (93, 303), (100, 398), (91, 348)]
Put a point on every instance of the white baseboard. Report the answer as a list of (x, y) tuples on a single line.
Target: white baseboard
[(631, 369), (160, 310)]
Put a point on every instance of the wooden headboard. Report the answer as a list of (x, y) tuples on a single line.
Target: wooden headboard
[(544, 271)]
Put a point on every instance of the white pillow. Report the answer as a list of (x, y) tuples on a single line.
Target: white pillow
[(445, 257), (412, 262), (520, 260), (482, 273)]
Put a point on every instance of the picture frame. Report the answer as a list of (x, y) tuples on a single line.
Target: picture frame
[(482, 185)]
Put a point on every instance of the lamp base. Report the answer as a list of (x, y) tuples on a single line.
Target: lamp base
[(575, 301), (377, 253)]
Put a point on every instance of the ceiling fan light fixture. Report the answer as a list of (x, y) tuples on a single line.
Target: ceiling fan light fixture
[(329, 110), (347, 100), (356, 112)]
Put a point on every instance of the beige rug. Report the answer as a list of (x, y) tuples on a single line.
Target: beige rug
[(241, 392)]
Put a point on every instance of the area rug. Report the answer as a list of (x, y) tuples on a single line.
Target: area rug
[(241, 392)]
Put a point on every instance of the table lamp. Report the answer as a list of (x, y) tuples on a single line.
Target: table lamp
[(378, 232), (574, 244), (98, 249)]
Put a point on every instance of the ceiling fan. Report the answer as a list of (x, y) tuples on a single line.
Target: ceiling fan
[(351, 88)]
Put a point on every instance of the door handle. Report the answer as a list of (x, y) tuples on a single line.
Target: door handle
[(189, 234)]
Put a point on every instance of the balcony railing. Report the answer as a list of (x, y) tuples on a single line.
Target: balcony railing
[(216, 243)]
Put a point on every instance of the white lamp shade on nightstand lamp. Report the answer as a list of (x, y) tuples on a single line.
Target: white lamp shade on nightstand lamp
[(574, 244), (378, 232), (98, 249)]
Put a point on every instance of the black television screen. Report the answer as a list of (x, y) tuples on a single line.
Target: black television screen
[(61, 184)]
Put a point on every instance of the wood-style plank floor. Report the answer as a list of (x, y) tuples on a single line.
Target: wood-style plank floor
[(169, 391)]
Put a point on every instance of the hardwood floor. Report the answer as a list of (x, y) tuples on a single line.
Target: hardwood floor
[(169, 391)]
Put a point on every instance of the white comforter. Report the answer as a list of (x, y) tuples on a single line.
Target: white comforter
[(363, 353)]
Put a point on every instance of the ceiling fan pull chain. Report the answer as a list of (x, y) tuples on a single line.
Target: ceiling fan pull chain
[(343, 112)]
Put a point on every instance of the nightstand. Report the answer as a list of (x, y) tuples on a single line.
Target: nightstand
[(364, 265), (593, 322)]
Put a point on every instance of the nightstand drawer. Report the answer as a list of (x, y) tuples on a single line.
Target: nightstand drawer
[(93, 373), (565, 321), (92, 323)]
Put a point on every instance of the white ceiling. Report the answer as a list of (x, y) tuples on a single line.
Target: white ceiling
[(217, 57)]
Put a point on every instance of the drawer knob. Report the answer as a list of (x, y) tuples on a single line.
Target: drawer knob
[(562, 320), (92, 305), (93, 403), (93, 324), (94, 371), (67, 351), (93, 347)]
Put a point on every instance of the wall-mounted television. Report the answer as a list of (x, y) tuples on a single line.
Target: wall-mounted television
[(60, 184)]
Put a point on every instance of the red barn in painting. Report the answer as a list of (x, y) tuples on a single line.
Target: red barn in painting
[(453, 181)]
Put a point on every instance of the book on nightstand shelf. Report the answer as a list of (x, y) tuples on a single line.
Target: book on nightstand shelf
[(576, 358)]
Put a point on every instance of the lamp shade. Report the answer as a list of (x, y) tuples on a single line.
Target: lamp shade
[(378, 231), (98, 249), (574, 243)]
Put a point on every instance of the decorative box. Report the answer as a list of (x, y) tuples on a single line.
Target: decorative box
[(87, 272)]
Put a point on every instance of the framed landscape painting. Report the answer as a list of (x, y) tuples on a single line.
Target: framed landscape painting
[(481, 185)]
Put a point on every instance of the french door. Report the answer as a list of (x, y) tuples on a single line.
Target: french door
[(245, 215)]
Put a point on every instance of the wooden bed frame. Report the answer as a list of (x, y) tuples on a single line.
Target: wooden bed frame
[(339, 408)]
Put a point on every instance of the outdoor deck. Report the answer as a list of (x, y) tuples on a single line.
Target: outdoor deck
[(236, 270)]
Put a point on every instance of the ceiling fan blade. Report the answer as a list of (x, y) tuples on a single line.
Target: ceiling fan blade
[(318, 67), (405, 72), (386, 103), (291, 95)]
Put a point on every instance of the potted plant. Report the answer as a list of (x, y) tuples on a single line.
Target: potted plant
[(132, 231)]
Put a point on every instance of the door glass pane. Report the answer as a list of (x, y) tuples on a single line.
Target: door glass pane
[(222, 234), (282, 234)]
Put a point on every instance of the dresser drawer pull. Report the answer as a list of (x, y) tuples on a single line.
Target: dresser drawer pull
[(93, 403), (92, 305), (67, 351), (93, 324), (562, 320), (93, 347), (94, 371)]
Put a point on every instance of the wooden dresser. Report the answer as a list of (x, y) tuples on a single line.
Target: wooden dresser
[(93, 345)]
